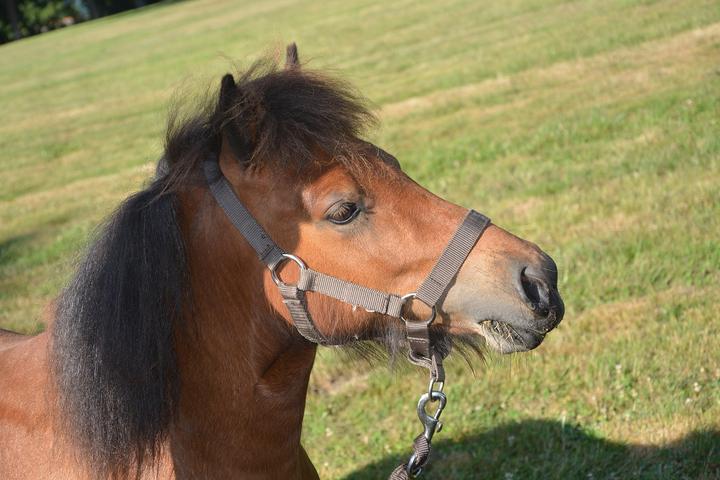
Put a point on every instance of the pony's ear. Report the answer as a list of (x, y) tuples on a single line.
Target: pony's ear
[(292, 60), (227, 88), (230, 110)]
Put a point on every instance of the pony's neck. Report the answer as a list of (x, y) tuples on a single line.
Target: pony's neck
[(242, 402), (244, 375)]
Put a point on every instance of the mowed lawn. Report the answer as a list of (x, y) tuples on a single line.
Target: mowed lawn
[(591, 128)]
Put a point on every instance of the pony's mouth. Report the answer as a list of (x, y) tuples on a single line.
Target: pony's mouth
[(507, 338)]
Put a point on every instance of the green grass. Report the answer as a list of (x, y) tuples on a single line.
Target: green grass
[(588, 127)]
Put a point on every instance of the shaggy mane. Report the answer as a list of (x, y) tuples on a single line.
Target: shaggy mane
[(271, 117)]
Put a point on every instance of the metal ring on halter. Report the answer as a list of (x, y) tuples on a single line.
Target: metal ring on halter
[(413, 295), (286, 256)]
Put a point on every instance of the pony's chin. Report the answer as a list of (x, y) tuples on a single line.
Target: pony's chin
[(505, 338)]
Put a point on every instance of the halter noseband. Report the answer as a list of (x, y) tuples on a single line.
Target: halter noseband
[(418, 332)]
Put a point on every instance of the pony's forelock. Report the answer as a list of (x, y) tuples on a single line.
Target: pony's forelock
[(271, 117)]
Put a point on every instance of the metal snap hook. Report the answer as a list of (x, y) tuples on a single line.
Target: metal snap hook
[(431, 422)]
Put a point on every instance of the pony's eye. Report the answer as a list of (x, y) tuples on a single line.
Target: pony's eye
[(343, 213)]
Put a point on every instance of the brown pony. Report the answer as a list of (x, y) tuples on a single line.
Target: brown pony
[(171, 354)]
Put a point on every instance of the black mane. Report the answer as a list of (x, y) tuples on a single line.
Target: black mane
[(113, 350)]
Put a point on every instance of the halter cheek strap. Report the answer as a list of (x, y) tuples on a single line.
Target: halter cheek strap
[(269, 253)]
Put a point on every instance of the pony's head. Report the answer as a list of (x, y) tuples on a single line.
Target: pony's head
[(290, 147)]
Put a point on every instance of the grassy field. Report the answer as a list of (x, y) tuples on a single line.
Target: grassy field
[(590, 127)]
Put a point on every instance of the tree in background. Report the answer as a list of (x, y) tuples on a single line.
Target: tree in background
[(9, 23), (22, 18)]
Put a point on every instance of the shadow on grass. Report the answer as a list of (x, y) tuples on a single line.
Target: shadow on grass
[(9, 248), (541, 449)]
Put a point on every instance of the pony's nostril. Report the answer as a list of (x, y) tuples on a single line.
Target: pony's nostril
[(536, 292)]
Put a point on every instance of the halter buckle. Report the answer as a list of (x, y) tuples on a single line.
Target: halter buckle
[(413, 296), (285, 257)]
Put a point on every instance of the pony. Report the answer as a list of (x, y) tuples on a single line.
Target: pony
[(170, 353)]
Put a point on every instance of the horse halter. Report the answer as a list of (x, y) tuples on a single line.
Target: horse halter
[(421, 351)]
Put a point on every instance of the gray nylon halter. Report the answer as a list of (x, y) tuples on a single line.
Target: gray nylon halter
[(418, 332), (269, 253)]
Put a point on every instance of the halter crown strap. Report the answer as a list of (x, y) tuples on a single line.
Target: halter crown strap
[(267, 251), (370, 299)]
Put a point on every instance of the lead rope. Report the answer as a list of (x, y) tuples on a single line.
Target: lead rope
[(431, 423), (418, 332)]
